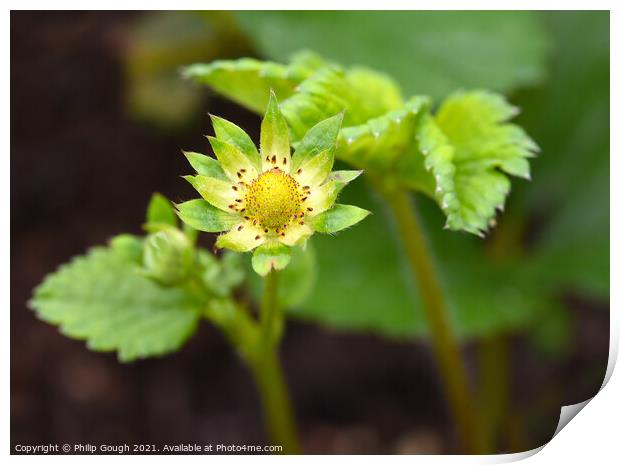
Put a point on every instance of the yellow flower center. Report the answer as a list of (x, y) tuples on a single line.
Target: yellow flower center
[(273, 198)]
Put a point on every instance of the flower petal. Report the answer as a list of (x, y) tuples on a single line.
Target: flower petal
[(323, 197), (215, 191), (205, 165), (320, 137), (275, 150), (345, 176), (236, 165), (313, 171), (201, 215), (270, 256), (243, 237), (295, 233), (337, 218), (233, 134)]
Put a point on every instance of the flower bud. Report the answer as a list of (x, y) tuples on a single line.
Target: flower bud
[(168, 256)]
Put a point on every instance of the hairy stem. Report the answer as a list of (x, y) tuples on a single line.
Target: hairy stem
[(268, 373), (450, 362)]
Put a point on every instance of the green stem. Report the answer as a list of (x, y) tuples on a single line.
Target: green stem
[(449, 359), (270, 314), (494, 387), (268, 372)]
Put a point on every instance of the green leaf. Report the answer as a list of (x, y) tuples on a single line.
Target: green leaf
[(233, 134), (320, 137), (338, 217), (205, 166), (160, 211), (330, 91), (569, 199), (468, 148), (482, 298), (269, 257), (552, 330), (427, 52), (274, 131), (248, 81), (102, 298), (203, 216), (384, 144)]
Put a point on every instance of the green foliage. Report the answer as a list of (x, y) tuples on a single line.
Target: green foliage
[(103, 298), (482, 298), (248, 81), (513, 281), (466, 151), (386, 147), (460, 154), (363, 94), (459, 157), (142, 297), (427, 52), (570, 118)]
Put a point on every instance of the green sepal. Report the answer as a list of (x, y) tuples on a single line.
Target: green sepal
[(344, 176), (316, 169), (233, 134), (160, 211), (231, 158), (272, 256), (274, 138), (201, 215), (205, 165), (320, 137), (217, 192), (337, 218), (296, 282)]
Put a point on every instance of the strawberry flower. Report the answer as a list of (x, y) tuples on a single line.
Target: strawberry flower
[(269, 200)]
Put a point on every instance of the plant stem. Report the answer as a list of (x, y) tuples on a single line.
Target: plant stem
[(449, 359), (270, 313), (267, 371), (493, 366)]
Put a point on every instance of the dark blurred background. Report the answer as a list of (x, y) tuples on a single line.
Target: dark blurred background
[(98, 119)]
